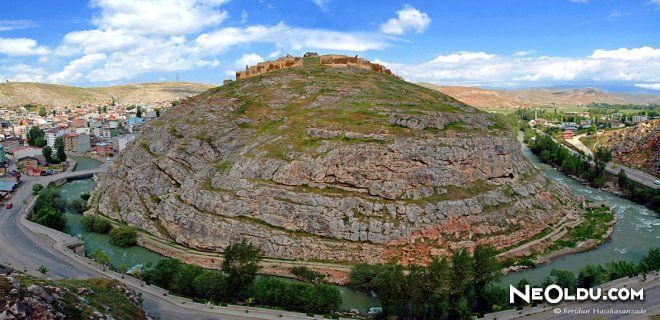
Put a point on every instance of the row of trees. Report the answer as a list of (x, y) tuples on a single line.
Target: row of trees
[(581, 166), (443, 289), (238, 282), (466, 285), (593, 275), (36, 138), (647, 196)]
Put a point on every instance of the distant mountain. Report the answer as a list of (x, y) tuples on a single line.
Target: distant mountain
[(523, 98), (14, 94)]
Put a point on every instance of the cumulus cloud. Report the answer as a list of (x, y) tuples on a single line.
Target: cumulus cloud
[(465, 68), (23, 73), (21, 47), (407, 19), (165, 17), (74, 70), (284, 36), (249, 59)]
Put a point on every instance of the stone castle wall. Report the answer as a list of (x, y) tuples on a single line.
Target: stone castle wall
[(289, 61)]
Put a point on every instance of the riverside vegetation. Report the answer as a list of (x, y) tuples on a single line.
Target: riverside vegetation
[(590, 169), (465, 286)]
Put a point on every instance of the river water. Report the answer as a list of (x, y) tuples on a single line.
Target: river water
[(636, 231), (136, 255)]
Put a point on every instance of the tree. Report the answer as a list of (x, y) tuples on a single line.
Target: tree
[(308, 275), (77, 205), (123, 237), (94, 223), (43, 270), (138, 113), (183, 281), (101, 257), (591, 276), (362, 276), (36, 137), (47, 153), (462, 280), (241, 263), (163, 273), (390, 285), (623, 180), (157, 110), (36, 188), (486, 271), (564, 279), (42, 111), (209, 285), (518, 302), (59, 148), (651, 262)]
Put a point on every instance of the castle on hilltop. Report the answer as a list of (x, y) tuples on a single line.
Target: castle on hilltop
[(288, 61)]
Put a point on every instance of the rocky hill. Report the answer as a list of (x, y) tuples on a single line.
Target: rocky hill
[(26, 297), (332, 163), (14, 94), (524, 98), (637, 147)]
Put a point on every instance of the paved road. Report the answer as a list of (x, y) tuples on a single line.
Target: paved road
[(611, 167), (25, 246)]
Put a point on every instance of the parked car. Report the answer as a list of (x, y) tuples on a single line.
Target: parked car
[(9, 206)]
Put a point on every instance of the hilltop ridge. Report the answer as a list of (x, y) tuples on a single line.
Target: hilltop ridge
[(13, 94), (538, 97)]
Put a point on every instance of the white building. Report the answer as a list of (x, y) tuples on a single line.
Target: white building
[(119, 143)]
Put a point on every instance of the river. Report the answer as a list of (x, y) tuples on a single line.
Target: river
[(636, 231), (136, 255)]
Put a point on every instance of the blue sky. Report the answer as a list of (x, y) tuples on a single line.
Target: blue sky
[(504, 44)]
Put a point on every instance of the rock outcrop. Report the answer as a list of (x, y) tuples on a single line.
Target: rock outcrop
[(637, 147), (345, 164), (26, 297)]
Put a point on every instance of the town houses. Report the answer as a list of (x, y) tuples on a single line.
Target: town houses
[(84, 130)]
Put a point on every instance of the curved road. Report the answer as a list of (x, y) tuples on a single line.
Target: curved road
[(25, 246)]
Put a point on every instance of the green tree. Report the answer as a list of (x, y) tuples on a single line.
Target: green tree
[(183, 281), (36, 188), (518, 302), (47, 152), (462, 281), (362, 276), (308, 275), (59, 149), (486, 271), (138, 113), (94, 223), (390, 285), (564, 279), (163, 273), (36, 137), (241, 263), (123, 237), (209, 285), (42, 111), (77, 205), (591, 276), (101, 257), (651, 262)]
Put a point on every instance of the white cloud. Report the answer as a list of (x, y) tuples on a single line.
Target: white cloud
[(635, 54), (285, 36), (462, 56), (22, 73), (7, 25), (244, 17), (638, 65), (74, 70), (21, 47), (248, 60), (164, 17), (407, 19), (653, 86)]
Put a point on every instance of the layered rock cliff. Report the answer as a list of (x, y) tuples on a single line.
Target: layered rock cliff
[(332, 163)]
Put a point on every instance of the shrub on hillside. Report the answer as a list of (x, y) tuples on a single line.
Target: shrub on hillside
[(123, 237)]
